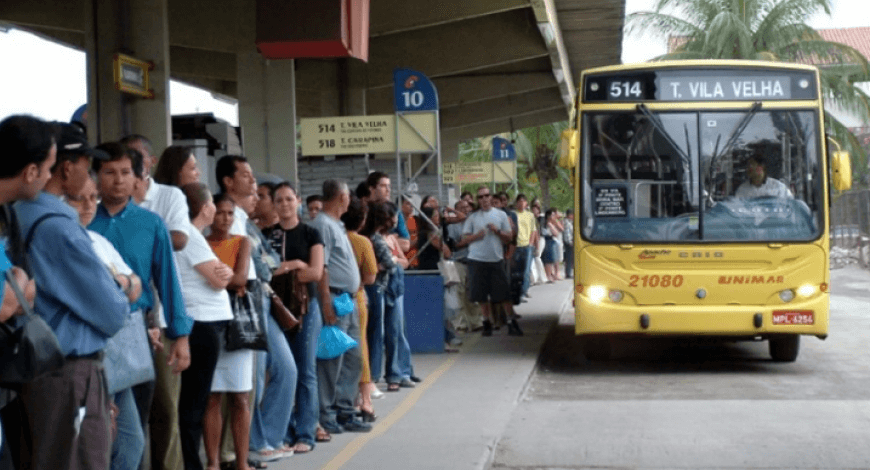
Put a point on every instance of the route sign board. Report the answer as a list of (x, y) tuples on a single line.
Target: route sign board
[(349, 135)]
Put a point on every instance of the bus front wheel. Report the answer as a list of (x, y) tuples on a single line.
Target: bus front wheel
[(596, 348), (785, 348)]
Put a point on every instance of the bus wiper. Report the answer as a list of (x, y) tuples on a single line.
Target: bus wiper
[(735, 134), (657, 123)]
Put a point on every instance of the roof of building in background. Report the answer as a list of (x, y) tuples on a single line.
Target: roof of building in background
[(857, 38)]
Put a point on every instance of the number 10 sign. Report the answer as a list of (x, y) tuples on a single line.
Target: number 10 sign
[(413, 91)]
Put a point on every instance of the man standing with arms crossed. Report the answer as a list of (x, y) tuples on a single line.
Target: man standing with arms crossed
[(486, 232)]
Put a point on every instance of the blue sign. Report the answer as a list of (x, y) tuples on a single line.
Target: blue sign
[(413, 91), (503, 150)]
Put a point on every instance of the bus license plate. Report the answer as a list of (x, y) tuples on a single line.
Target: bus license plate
[(793, 317)]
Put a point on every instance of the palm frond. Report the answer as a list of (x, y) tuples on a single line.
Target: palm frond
[(658, 23)]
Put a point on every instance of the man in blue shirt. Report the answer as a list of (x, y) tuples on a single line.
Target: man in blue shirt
[(141, 237), (67, 411)]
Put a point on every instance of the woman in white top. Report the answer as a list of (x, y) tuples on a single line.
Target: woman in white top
[(204, 279)]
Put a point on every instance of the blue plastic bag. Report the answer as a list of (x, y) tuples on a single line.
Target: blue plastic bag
[(342, 304), (333, 343)]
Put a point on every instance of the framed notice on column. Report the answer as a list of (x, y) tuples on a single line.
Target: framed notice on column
[(131, 75)]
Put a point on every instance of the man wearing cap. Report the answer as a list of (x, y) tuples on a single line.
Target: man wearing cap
[(73, 165), (67, 411)]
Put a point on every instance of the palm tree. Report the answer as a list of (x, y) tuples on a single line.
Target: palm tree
[(773, 30)]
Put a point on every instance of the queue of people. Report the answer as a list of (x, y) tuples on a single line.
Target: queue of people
[(226, 296)]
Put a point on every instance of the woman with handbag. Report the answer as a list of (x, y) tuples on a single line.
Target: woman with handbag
[(235, 369), (204, 279), (300, 247)]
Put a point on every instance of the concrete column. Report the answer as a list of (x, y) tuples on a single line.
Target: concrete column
[(267, 114), (138, 28)]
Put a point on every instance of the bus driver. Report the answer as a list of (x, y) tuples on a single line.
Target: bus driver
[(759, 184)]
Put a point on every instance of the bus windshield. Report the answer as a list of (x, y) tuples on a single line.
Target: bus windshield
[(689, 176)]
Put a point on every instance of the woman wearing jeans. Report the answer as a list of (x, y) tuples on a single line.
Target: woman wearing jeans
[(301, 249)]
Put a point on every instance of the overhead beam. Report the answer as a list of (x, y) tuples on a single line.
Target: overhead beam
[(499, 108), (467, 89), (220, 25), (395, 16), (222, 87), (202, 63), (74, 39), (456, 48), (503, 125), (548, 24), (67, 15)]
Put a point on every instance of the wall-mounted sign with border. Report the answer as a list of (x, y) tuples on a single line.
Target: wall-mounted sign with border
[(131, 75), (348, 135)]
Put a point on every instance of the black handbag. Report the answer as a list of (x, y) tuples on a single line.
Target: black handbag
[(247, 328), (28, 346)]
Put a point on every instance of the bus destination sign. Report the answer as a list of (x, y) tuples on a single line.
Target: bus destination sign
[(724, 89), (700, 85)]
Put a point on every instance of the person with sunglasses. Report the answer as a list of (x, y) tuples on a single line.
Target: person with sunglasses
[(486, 232)]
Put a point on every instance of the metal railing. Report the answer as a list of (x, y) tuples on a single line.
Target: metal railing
[(850, 219)]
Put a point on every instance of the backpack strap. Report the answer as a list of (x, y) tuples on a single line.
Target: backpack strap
[(32, 231)]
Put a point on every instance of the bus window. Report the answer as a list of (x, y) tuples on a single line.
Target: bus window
[(641, 180), (760, 176)]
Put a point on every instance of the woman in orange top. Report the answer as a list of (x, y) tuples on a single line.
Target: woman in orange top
[(235, 369), (353, 220)]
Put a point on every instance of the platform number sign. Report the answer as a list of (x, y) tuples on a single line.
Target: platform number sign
[(413, 91)]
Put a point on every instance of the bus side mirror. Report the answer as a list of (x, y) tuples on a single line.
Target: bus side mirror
[(569, 149), (841, 164)]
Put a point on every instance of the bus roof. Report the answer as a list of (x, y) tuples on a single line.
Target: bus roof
[(700, 64)]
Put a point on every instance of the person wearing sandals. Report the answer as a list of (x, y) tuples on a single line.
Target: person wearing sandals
[(379, 223), (300, 249), (353, 219), (234, 370)]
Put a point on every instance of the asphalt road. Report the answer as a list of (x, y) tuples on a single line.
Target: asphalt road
[(664, 404)]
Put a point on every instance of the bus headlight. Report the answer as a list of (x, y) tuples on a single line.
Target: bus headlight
[(615, 296), (786, 295), (806, 290), (597, 293)]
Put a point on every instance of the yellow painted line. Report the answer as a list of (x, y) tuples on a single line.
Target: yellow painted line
[(404, 407)]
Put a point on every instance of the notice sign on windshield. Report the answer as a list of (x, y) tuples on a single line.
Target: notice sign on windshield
[(610, 201), (750, 88)]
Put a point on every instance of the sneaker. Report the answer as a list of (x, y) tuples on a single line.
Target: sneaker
[(453, 342), (514, 329), (332, 428), (355, 425), (487, 328), (266, 455)]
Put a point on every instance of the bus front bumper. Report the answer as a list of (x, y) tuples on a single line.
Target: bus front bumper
[(805, 317)]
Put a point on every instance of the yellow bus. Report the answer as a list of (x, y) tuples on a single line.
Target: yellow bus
[(701, 198)]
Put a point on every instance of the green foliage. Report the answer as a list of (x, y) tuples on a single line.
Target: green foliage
[(538, 175), (773, 30)]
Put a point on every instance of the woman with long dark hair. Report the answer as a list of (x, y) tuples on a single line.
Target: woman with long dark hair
[(300, 247)]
